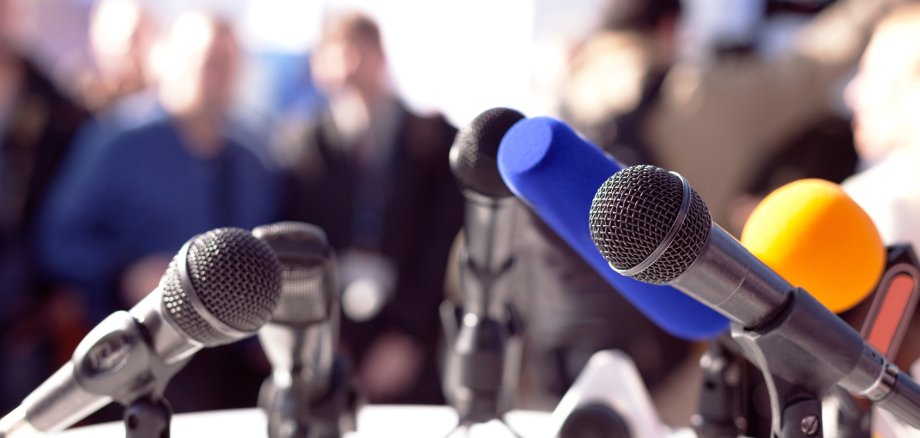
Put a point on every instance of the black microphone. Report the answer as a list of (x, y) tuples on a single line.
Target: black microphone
[(650, 225), (300, 340), (477, 359), (222, 286)]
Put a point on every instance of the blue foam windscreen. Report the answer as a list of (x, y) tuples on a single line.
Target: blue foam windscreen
[(553, 170)]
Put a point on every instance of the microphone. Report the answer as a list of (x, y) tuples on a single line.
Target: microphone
[(475, 375), (649, 224), (556, 173), (301, 338), (796, 231), (222, 286)]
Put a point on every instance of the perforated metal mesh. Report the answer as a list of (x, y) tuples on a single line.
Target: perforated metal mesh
[(631, 215), (308, 288), (236, 277)]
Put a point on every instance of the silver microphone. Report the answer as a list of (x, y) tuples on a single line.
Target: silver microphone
[(649, 224), (222, 286), (301, 339)]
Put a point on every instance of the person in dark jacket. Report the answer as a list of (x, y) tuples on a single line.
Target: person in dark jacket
[(37, 123), (376, 178)]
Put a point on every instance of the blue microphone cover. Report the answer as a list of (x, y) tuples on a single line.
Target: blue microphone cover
[(547, 165)]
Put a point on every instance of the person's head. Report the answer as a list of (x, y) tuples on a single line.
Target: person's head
[(885, 95), (11, 75), (657, 19), (14, 22), (121, 35), (644, 16), (11, 65), (608, 72), (201, 65), (349, 55)]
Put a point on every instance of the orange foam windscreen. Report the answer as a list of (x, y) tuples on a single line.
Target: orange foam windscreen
[(816, 237)]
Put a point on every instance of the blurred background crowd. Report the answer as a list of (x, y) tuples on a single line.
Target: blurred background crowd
[(128, 126)]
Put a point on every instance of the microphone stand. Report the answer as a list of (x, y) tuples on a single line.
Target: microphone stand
[(731, 393), (795, 386), (118, 357), (854, 417), (290, 415), (483, 338), (483, 356), (148, 417)]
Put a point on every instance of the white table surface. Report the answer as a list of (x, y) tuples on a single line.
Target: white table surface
[(373, 421)]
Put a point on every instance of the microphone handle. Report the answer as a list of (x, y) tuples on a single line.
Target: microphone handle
[(488, 254), (904, 399), (126, 356), (809, 346), (108, 360), (53, 406)]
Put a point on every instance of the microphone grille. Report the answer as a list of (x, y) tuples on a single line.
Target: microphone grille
[(632, 214), (308, 288), (235, 277)]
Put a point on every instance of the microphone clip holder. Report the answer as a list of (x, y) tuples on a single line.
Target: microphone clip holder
[(117, 359), (795, 409), (796, 387), (722, 411), (148, 417)]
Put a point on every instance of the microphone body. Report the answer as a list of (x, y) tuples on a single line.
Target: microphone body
[(304, 395), (115, 359), (726, 277), (201, 302), (488, 235), (649, 224), (300, 357), (478, 374)]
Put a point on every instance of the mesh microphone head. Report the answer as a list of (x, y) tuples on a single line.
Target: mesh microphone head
[(308, 289), (474, 154), (222, 286), (632, 215)]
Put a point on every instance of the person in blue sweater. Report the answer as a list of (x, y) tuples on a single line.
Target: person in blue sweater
[(113, 222), (118, 216)]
